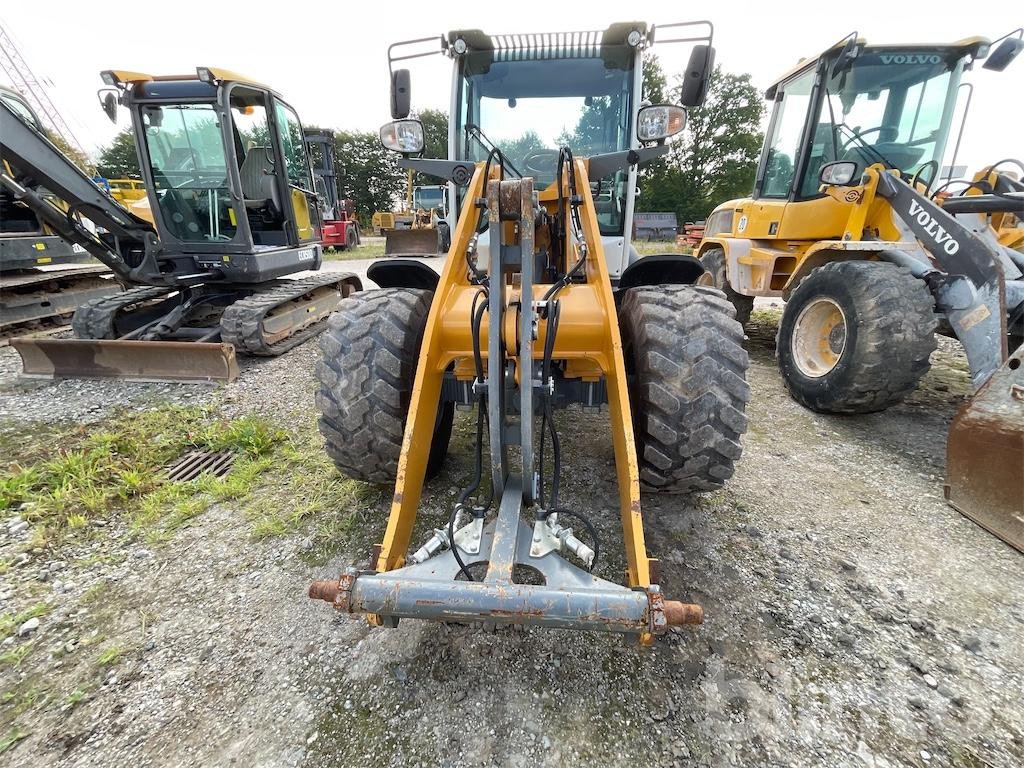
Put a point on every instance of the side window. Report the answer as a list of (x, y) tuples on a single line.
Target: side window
[(295, 160), (782, 147)]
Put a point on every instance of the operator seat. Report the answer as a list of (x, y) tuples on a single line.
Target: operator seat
[(259, 184)]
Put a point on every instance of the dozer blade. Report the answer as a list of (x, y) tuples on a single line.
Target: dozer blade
[(140, 360), (985, 454), (410, 242)]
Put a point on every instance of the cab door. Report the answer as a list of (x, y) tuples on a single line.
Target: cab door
[(780, 159), (301, 194)]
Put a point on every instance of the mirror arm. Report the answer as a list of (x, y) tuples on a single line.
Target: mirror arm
[(600, 166), (449, 170)]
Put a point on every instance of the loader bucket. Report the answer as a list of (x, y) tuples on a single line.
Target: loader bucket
[(141, 360), (410, 242), (985, 454)]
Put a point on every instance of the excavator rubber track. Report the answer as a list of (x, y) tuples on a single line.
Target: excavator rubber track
[(31, 298), (272, 321), (97, 319)]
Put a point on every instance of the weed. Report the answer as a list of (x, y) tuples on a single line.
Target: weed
[(11, 738), (109, 656), (9, 622), (119, 467), (16, 655)]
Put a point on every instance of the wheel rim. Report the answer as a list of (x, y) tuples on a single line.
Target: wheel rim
[(819, 338)]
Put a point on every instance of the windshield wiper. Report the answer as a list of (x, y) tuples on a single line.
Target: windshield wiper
[(489, 146)]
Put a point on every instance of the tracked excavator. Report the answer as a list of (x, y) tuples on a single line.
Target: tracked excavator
[(228, 179), (43, 277)]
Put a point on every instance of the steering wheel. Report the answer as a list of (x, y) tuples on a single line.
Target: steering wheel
[(540, 161), (859, 135)]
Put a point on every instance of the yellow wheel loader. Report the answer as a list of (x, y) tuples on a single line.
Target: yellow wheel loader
[(874, 253), (422, 228), (539, 307)]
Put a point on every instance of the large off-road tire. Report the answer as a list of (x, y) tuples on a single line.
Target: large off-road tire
[(688, 389), (855, 337), (713, 261), (370, 351)]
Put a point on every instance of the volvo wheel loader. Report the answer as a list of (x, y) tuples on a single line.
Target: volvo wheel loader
[(43, 277), (228, 179), (539, 306), (874, 253)]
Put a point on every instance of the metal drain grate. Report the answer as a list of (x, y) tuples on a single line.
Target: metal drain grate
[(195, 463)]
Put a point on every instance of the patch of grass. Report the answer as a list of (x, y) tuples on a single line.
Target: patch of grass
[(16, 655), (119, 466), (372, 248), (11, 738), (76, 697), (109, 656), (21, 700), (9, 622), (306, 486)]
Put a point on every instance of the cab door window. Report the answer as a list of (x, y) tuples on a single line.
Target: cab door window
[(783, 145), (297, 170)]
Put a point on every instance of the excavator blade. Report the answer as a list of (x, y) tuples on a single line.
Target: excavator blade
[(410, 242), (140, 360), (985, 454)]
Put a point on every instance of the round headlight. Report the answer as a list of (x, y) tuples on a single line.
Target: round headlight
[(659, 121), (633, 38), (404, 136), (460, 46)]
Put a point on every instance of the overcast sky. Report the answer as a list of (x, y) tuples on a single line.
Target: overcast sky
[(329, 59)]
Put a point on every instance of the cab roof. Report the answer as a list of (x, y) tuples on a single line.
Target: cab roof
[(976, 46)]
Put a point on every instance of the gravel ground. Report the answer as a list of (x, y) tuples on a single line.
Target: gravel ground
[(853, 619)]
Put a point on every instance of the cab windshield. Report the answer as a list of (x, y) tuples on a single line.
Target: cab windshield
[(528, 104), (428, 198), (891, 106), (189, 166)]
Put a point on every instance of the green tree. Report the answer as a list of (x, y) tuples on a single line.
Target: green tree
[(119, 160), (76, 156), (654, 82), (368, 173), (435, 141), (715, 157), (435, 132)]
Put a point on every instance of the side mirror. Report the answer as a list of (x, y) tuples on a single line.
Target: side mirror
[(657, 122), (401, 94), (1005, 52), (402, 136), (108, 100), (697, 74), (846, 57), (838, 174)]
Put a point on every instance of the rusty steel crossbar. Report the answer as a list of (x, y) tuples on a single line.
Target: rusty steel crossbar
[(118, 358)]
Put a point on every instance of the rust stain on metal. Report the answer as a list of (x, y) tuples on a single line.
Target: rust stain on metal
[(677, 613), (324, 589)]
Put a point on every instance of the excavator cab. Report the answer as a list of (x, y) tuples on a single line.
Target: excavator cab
[(232, 210), (226, 170)]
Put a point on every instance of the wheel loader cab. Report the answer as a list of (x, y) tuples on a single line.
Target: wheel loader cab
[(227, 172), (582, 96), (889, 104)]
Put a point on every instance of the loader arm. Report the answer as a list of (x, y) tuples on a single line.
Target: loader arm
[(33, 163), (975, 280)]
